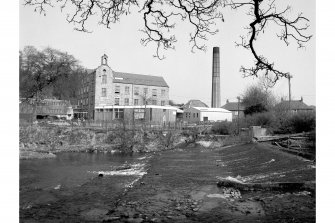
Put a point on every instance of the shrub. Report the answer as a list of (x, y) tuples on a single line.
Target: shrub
[(254, 109), (223, 128), (303, 122), (281, 123), (265, 119)]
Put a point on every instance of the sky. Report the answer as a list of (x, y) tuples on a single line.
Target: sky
[(187, 74)]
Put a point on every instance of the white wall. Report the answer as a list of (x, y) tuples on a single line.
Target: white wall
[(216, 116)]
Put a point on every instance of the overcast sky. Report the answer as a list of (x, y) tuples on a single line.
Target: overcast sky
[(188, 74)]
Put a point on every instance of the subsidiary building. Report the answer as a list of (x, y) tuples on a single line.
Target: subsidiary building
[(106, 95)]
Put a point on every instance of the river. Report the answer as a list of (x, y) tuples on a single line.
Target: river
[(76, 175)]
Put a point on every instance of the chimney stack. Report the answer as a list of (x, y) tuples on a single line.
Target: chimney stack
[(216, 100)]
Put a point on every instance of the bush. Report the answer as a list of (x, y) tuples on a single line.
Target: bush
[(254, 109), (281, 123), (223, 128), (264, 119), (303, 122)]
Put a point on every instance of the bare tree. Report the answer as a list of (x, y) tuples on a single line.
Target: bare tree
[(40, 70), (161, 16), (256, 100)]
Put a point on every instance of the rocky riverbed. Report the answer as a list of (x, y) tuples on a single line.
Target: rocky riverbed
[(181, 185)]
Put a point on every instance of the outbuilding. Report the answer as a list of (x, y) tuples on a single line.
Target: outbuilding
[(203, 114), (153, 114)]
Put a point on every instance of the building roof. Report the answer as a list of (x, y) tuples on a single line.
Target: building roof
[(295, 105), (233, 106), (194, 103), (140, 79), (203, 109)]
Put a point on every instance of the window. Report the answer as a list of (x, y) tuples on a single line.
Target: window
[(162, 103), (104, 79), (103, 92), (126, 101), (136, 91), (163, 92), (197, 115), (117, 101), (145, 90), (126, 90), (119, 113), (193, 115), (154, 102), (135, 101), (117, 89), (154, 92)]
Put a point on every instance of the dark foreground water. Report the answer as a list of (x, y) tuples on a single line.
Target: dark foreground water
[(49, 181)]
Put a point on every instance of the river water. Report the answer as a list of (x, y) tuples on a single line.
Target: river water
[(48, 181)]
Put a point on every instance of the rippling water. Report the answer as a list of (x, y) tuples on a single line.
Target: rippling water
[(71, 170)]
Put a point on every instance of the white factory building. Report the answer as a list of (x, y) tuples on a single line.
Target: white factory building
[(204, 114)]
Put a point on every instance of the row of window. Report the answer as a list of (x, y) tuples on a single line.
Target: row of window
[(136, 91), (119, 112), (117, 102), (136, 102), (189, 115)]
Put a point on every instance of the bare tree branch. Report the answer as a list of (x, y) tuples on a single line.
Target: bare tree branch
[(161, 16), (290, 29)]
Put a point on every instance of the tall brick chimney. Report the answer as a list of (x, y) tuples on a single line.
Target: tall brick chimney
[(216, 99)]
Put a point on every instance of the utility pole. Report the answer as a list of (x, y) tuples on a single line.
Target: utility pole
[(238, 116), (289, 105), (289, 92)]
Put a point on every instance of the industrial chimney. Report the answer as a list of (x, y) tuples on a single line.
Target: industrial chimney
[(216, 99)]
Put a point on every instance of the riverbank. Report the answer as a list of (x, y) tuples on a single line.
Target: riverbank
[(44, 142), (38, 142)]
